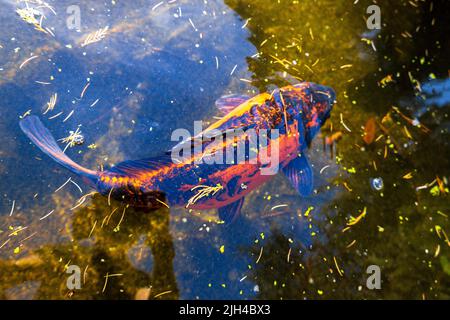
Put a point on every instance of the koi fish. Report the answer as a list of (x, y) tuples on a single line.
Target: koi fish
[(297, 112)]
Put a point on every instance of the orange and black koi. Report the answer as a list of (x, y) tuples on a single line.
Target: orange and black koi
[(297, 112)]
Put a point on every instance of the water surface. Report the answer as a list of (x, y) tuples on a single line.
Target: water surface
[(160, 67)]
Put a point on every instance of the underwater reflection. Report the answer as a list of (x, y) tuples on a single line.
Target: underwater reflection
[(123, 253)]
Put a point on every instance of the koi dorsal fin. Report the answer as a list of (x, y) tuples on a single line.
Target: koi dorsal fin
[(228, 103), (134, 168)]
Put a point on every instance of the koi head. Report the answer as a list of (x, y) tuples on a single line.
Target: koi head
[(314, 102)]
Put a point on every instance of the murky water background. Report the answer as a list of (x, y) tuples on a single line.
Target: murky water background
[(160, 67)]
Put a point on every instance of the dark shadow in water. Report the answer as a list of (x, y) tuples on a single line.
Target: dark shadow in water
[(109, 244), (398, 230)]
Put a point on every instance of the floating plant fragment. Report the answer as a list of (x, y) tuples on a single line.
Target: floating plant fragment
[(74, 138)]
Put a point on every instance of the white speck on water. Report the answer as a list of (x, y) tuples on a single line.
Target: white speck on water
[(377, 183)]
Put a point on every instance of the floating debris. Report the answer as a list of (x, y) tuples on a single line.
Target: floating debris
[(62, 186), (354, 221), (217, 62), (107, 276), (234, 69), (93, 228), (16, 231), (343, 124), (437, 251), (84, 90), (203, 191), (157, 5), (163, 203), (337, 267), (95, 36), (308, 211), (192, 24), (351, 244), (27, 60), (75, 138), (324, 168), (162, 293), (388, 79), (377, 183), (69, 115), (56, 115), (408, 176), (369, 131), (12, 208), (246, 23), (47, 215), (32, 16), (29, 237), (51, 104), (260, 255), (346, 66), (413, 122), (109, 196), (121, 219), (278, 206), (442, 234), (42, 82), (5, 243), (76, 185), (95, 102), (80, 202), (347, 187)]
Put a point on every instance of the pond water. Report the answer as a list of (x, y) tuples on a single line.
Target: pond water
[(381, 162)]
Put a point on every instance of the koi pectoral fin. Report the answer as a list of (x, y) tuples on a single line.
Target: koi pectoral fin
[(300, 174), (230, 212)]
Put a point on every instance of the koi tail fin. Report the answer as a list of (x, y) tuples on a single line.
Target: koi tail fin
[(43, 139)]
